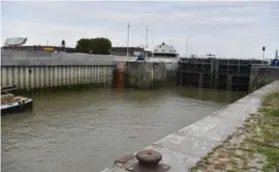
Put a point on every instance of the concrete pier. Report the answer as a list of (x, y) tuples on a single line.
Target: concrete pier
[(184, 148), (144, 75), (262, 75), (39, 70)]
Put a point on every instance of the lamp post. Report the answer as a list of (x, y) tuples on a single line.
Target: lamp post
[(146, 46), (263, 49), (187, 48)]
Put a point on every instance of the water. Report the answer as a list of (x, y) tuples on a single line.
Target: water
[(87, 130)]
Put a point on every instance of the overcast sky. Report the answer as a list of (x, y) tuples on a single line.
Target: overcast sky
[(228, 29)]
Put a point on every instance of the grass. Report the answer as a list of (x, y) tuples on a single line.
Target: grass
[(272, 155), (269, 125), (262, 136), (274, 113)]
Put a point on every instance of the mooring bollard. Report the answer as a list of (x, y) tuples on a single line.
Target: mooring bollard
[(148, 161), (149, 158)]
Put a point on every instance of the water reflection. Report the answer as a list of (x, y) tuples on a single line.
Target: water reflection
[(220, 96)]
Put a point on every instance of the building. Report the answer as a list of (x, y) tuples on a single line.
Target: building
[(119, 51), (39, 48)]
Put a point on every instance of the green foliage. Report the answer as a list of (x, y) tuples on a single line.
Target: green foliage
[(274, 113), (83, 45), (94, 45), (272, 155), (270, 128)]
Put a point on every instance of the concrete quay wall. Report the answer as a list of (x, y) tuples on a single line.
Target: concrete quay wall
[(184, 148), (33, 70), (144, 75), (29, 58), (262, 75), (37, 70), (39, 77)]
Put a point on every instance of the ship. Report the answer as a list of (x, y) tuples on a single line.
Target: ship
[(164, 53)]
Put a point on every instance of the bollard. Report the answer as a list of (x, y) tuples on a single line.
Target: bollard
[(148, 161), (149, 158)]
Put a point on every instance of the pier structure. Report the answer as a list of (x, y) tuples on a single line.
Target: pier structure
[(227, 74), (49, 70), (195, 72), (42, 71)]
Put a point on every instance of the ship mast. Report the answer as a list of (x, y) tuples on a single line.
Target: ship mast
[(146, 38), (128, 31)]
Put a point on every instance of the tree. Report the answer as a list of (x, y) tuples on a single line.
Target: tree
[(98, 45), (83, 45)]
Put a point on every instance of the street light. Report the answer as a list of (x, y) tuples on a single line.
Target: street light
[(263, 49), (146, 46)]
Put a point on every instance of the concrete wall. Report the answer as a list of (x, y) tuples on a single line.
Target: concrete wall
[(184, 148), (22, 58), (30, 77), (144, 74), (38, 69), (65, 69), (262, 75)]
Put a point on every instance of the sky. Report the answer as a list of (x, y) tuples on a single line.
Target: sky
[(227, 29)]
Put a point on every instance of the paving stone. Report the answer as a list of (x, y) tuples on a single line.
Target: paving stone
[(211, 127), (195, 146), (177, 160)]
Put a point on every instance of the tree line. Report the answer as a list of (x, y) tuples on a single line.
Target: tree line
[(98, 45)]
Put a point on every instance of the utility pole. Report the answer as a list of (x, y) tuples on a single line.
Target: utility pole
[(187, 48), (191, 49), (152, 42), (128, 32), (146, 38)]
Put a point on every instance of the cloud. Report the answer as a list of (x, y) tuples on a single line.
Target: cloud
[(235, 29)]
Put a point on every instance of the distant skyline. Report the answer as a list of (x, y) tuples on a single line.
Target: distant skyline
[(227, 29)]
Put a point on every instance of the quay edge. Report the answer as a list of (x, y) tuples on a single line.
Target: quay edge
[(184, 148)]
